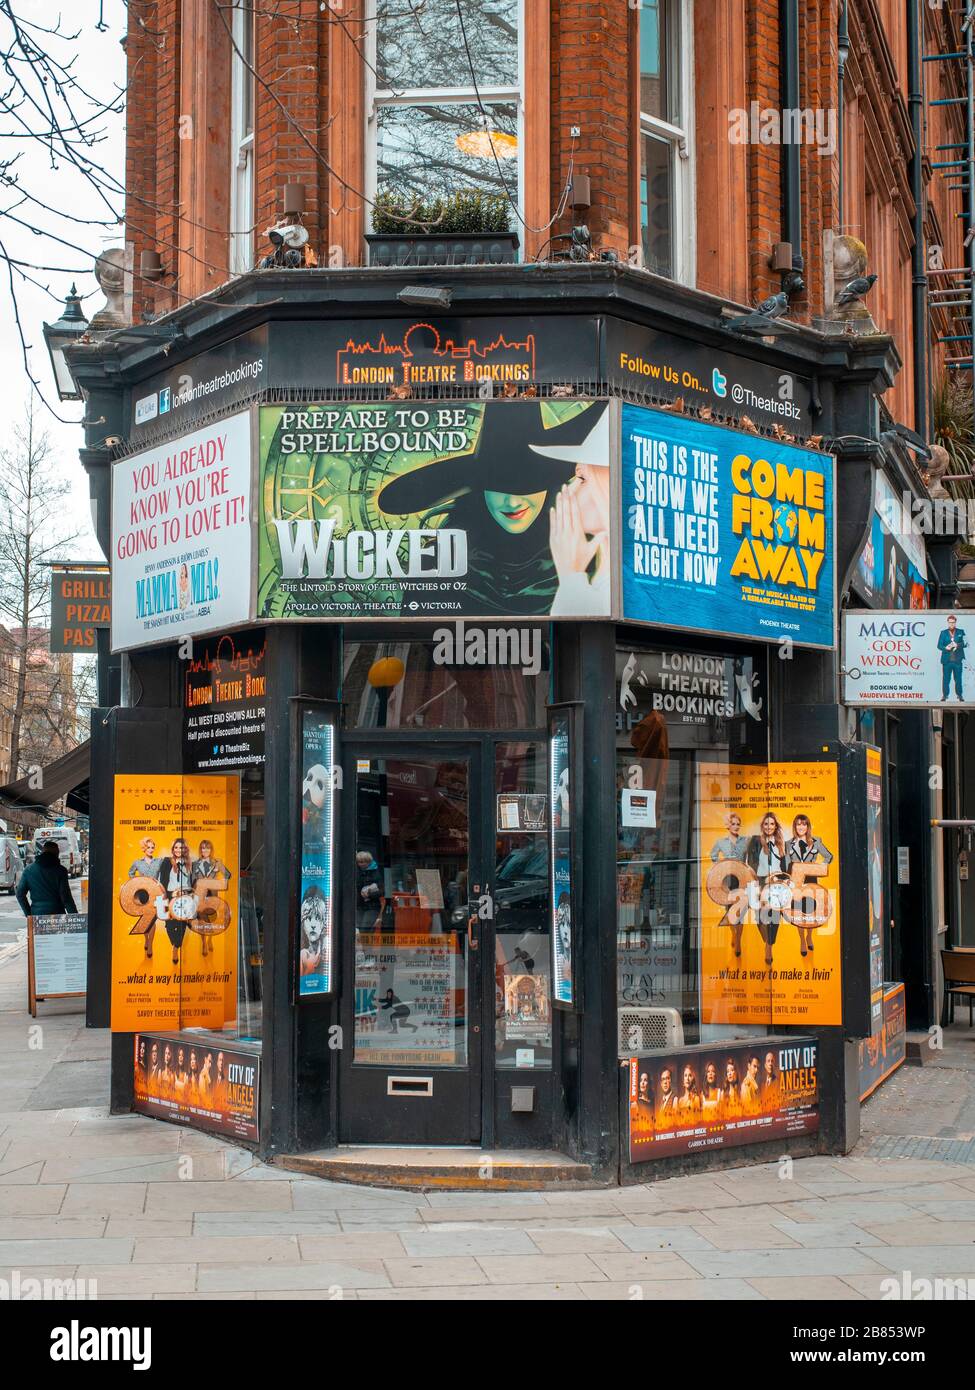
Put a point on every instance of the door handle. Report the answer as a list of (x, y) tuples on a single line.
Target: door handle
[(472, 939)]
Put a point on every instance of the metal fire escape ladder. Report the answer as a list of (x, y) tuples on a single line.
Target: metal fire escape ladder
[(954, 288)]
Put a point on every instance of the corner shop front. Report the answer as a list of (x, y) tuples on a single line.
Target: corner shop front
[(433, 1014)]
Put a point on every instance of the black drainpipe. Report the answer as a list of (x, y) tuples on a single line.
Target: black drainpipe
[(843, 48), (919, 270), (789, 93)]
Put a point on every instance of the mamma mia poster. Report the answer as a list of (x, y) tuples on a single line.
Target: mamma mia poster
[(435, 508), (726, 532), (181, 536)]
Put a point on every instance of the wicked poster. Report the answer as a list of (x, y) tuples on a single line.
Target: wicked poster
[(427, 509)]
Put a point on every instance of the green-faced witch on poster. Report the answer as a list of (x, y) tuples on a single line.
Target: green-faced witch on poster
[(424, 509)]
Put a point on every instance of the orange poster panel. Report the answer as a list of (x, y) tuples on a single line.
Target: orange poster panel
[(174, 917), (769, 897)]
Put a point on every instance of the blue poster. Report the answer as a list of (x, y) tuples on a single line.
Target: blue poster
[(726, 532), (892, 570), (315, 907), (560, 829)]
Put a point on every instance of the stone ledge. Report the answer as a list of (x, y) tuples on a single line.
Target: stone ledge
[(444, 1169)]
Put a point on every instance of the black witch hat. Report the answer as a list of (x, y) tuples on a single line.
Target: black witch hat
[(503, 459)]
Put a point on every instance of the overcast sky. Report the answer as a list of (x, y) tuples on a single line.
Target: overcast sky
[(100, 67)]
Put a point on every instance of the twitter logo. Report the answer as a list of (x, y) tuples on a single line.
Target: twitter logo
[(719, 383)]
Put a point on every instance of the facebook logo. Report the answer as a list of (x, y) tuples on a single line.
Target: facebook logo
[(164, 400)]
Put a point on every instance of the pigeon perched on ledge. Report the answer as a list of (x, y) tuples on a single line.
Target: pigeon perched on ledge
[(761, 319), (853, 292)]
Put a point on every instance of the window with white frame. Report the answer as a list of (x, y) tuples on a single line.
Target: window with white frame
[(445, 109), (242, 138), (666, 138)]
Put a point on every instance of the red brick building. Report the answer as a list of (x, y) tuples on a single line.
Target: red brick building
[(230, 102)]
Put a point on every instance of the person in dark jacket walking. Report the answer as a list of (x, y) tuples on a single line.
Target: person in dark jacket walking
[(44, 888)]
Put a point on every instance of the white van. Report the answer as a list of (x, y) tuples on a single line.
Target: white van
[(66, 839), (11, 864)]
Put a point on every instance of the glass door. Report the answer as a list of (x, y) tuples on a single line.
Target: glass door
[(412, 927)]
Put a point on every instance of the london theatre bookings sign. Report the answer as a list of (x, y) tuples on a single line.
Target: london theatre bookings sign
[(418, 509), (726, 532)]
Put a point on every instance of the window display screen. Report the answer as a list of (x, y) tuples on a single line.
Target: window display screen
[(561, 821), (316, 898)]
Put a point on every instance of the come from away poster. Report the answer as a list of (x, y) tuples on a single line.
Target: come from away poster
[(726, 532)]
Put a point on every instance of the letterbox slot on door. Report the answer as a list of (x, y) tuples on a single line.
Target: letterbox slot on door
[(421, 1086)]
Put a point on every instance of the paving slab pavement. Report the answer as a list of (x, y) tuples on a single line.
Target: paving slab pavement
[(143, 1209)]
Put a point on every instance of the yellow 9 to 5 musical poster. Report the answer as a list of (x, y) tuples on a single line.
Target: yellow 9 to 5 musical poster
[(769, 896), (174, 917)]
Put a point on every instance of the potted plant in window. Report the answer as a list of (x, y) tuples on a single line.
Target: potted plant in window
[(467, 228)]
